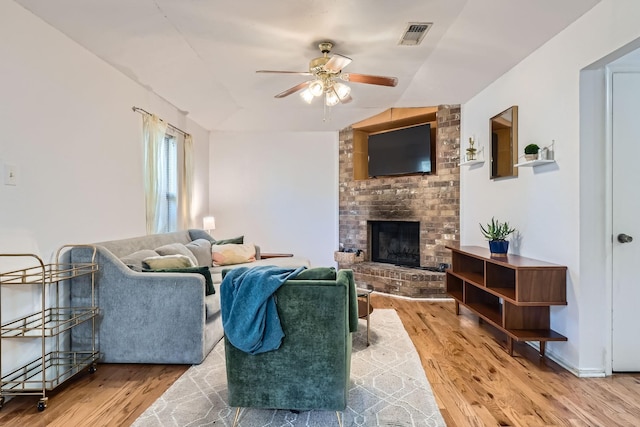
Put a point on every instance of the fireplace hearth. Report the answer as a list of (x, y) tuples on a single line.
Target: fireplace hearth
[(395, 242)]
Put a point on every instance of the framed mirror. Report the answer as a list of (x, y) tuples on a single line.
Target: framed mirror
[(504, 143)]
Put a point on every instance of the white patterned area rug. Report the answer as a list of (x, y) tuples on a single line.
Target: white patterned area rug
[(388, 388)]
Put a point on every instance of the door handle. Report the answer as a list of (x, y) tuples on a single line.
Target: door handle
[(624, 238)]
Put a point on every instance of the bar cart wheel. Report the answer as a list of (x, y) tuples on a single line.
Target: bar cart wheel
[(1, 402), (93, 368), (42, 404)]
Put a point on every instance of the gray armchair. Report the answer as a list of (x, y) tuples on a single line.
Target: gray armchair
[(310, 370)]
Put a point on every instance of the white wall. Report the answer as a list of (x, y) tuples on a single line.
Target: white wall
[(66, 124), (68, 127), (279, 190), (553, 206)]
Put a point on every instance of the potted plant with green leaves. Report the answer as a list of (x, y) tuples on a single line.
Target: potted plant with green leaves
[(496, 233), (531, 151)]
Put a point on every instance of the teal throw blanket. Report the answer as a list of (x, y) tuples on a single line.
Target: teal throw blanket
[(249, 314)]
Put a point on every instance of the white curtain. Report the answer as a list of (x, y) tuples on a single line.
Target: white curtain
[(186, 190), (153, 132)]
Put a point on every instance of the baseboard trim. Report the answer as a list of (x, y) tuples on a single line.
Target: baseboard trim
[(432, 299), (578, 372)]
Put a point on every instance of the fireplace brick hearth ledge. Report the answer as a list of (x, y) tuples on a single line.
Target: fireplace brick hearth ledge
[(397, 280), (432, 200)]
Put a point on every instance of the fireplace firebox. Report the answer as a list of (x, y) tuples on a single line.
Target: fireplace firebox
[(395, 242)]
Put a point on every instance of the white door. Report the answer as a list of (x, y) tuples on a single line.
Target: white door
[(626, 221)]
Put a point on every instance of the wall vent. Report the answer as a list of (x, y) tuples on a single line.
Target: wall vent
[(414, 33)]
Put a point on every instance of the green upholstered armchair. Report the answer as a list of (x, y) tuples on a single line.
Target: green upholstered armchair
[(310, 370)]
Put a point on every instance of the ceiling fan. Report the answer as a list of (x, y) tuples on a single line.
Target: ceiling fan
[(327, 71)]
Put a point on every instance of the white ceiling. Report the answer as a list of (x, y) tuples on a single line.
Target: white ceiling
[(201, 55)]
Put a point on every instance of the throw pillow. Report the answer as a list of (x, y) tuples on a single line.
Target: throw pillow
[(209, 289), (317, 273), (167, 261), (235, 240), (201, 249), (134, 260), (232, 253), (196, 233), (177, 249)]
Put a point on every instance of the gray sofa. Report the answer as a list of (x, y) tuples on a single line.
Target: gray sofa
[(153, 317)]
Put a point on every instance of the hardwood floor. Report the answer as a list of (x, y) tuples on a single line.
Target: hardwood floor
[(476, 383), (115, 395)]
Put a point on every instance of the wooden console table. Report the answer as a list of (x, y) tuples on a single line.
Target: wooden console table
[(274, 255), (510, 292)]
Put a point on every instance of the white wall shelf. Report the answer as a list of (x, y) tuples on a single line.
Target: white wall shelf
[(479, 158), (471, 162), (533, 163)]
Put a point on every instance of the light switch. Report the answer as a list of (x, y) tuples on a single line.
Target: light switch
[(10, 175)]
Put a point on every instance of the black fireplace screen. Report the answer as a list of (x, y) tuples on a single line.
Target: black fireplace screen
[(395, 242)]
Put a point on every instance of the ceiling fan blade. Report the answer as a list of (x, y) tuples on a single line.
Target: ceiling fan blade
[(293, 89), (336, 63), (368, 79), (300, 73)]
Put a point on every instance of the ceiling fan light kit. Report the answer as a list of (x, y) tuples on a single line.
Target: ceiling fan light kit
[(326, 72), (334, 92)]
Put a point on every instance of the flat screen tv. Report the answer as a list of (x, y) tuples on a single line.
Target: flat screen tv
[(400, 152)]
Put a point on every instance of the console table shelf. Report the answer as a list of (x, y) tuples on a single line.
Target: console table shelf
[(512, 293)]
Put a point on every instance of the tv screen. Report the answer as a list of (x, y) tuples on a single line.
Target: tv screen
[(400, 152)]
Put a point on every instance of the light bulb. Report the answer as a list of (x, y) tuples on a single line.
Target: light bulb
[(316, 87), (342, 90), (331, 98), (307, 96)]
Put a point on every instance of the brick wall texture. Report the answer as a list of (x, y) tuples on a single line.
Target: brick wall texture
[(433, 200)]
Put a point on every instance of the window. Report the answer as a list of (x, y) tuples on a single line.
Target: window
[(168, 177)]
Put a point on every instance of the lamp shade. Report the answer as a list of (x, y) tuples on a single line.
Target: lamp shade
[(342, 90), (331, 98), (307, 96), (208, 223), (316, 87)]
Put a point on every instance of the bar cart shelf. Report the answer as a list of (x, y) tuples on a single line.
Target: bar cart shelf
[(51, 324)]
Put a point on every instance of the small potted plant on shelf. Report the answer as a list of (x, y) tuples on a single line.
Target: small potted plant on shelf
[(496, 233), (531, 151)]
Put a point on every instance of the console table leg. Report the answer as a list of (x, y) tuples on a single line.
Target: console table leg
[(510, 346), (457, 308), (543, 347)]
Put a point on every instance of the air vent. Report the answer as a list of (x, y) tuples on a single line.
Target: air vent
[(414, 33)]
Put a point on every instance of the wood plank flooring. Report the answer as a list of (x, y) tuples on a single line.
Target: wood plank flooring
[(475, 381), (115, 395)]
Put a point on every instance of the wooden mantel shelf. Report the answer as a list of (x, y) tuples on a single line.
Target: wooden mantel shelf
[(394, 118)]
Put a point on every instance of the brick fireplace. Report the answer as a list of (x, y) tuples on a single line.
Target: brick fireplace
[(395, 242), (432, 201)]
